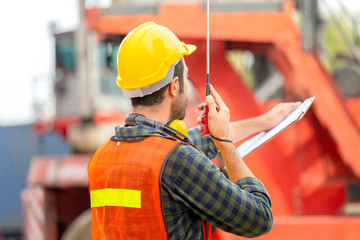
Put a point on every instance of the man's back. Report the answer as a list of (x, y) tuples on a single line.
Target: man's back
[(193, 189)]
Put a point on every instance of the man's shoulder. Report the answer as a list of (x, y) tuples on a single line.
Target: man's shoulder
[(187, 148), (183, 160), (186, 154)]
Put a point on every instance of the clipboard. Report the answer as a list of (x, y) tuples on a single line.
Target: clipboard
[(257, 141)]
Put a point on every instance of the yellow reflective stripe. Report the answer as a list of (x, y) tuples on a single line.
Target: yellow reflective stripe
[(115, 197)]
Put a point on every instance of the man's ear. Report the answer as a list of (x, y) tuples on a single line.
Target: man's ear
[(174, 87)]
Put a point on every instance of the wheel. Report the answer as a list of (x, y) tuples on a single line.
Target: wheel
[(80, 228)]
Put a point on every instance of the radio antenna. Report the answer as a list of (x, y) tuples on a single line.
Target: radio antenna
[(205, 111), (207, 91)]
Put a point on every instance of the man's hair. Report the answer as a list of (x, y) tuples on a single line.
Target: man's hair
[(158, 96)]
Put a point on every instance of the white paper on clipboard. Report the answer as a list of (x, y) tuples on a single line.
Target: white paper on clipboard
[(255, 142)]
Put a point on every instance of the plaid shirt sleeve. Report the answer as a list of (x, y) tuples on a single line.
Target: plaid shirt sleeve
[(194, 181), (203, 143)]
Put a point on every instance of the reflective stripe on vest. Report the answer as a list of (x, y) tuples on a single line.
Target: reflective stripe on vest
[(115, 197)]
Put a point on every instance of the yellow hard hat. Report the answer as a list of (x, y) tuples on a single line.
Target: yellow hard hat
[(146, 59)]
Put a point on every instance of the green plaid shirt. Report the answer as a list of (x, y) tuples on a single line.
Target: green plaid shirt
[(193, 189)]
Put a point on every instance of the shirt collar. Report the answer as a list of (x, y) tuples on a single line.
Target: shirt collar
[(136, 133)]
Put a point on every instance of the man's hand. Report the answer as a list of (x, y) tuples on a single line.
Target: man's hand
[(219, 127), (218, 117), (243, 128), (277, 114)]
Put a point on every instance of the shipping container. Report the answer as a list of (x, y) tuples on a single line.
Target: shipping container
[(18, 144)]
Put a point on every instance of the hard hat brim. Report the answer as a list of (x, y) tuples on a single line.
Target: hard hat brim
[(189, 49)]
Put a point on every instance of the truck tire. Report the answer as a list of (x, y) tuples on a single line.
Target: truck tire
[(80, 228)]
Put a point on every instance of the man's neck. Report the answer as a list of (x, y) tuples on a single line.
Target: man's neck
[(158, 113)]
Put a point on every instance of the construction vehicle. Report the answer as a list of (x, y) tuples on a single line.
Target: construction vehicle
[(311, 170)]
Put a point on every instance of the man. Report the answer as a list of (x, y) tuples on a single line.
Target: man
[(147, 182)]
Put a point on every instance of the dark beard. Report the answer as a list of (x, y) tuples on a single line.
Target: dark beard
[(178, 109)]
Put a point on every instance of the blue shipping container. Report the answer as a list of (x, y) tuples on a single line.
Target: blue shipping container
[(18, 144)]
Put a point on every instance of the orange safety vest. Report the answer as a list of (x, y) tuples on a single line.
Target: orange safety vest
[(125, 189)]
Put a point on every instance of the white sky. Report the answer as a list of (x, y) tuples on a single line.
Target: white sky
[(26, 52)]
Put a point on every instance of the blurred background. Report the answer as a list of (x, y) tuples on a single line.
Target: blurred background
[(59, 102)]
